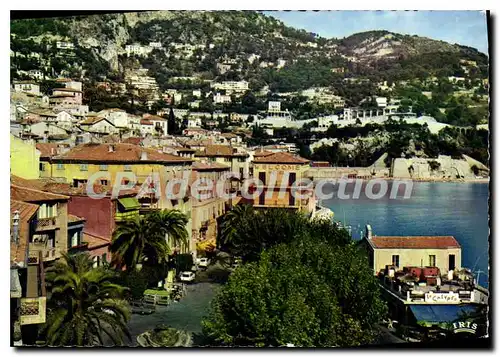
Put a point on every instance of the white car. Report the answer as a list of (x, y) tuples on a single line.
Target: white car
[(187, 276), (203, 262)]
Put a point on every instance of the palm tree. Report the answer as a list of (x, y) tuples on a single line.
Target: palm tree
[(84, 304), (233, 220), (144, 238), (172, 224)]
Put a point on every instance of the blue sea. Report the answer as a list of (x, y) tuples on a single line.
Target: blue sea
[(457, 209)]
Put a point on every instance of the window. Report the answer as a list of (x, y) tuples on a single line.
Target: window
[(395, 260), (42, 166), (104, 258), (127, 168), (84, 167), (103, 167), (451, 262), (75, 239), (227, 159), (79, 183), (104, 182), (262, 177), (60, 167), (432, 260), (47, 211)]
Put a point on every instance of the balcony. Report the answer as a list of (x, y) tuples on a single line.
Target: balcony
[(32, 310), (48, 254), (46, 224)]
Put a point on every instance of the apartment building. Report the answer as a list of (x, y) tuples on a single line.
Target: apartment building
[(282, 171), (238, 162), (208, 207)]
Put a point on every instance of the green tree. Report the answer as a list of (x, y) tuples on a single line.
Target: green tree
[(307, 292), (144, 238), (85, 304)]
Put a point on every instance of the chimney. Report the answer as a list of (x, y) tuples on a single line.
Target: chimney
[(52, 151), (111, 148), (144, 155)]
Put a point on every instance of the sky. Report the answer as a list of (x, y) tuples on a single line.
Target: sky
[(463, 27)]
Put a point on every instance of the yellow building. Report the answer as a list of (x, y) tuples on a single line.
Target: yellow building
[(278, 173), (209, 206), (226, 155), (443, 252), (24, 158), (79, 164)]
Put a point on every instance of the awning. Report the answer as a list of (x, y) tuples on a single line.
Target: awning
[(438, 314), (129, 203)]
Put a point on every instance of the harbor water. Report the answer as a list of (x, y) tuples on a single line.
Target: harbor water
[(434, 209)]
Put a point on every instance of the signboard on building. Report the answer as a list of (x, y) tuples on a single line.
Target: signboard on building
[(449, 298), (274, 106)]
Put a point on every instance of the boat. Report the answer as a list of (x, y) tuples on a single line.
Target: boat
[(427, 305)]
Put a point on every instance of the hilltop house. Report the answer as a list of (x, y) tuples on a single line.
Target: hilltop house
[(98, 125)]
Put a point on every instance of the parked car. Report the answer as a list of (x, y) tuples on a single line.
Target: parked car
[(203, 262), (187, 276)]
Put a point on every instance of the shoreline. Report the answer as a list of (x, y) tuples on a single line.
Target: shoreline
[(443, 180)]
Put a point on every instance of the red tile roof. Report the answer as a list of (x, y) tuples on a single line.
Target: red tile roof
[(280, 158), (219, 150), (201, 166), (26, 210), (415, 242), (260, 153), (153, 117), (36, 184), (93, 120), (95, 241), (32, 195), (133, 140), (146, 122), (72, 218), (66, 90), (120, 153), (47, 150)]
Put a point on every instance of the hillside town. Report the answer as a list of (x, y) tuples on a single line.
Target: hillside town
[(72, 133)]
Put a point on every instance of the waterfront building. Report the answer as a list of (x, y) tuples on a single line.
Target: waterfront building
[(282, 171), (443, 252), (426, 289)]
